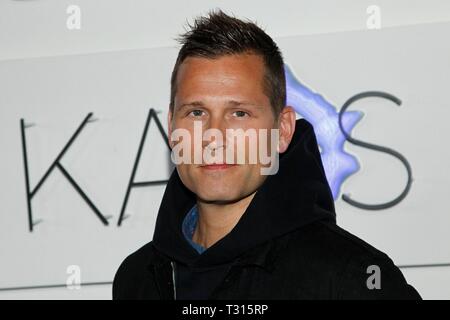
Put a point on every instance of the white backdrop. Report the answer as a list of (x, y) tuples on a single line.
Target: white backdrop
[(56, 93)]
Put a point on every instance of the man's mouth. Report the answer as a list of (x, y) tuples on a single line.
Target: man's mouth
[(217, 166)]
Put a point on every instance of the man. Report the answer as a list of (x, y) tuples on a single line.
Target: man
[(225, 230)]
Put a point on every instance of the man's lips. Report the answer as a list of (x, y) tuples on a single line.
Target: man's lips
[(217, 166)]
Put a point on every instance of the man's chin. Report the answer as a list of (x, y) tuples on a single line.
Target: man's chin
[(218, 198), (222, 198)]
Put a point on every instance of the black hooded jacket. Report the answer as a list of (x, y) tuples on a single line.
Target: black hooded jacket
[(285, 246)]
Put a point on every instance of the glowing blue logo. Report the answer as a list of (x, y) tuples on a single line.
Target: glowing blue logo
[(323, 116)]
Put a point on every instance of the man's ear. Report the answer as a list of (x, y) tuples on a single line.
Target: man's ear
[(286, 125), (169, 127)]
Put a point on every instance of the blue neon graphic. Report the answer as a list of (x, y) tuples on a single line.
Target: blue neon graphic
[(338, 164)]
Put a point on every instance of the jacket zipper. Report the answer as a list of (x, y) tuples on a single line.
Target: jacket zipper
[(172, 263)]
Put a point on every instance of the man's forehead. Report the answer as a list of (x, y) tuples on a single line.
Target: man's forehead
[(222, 62), (231, 80)]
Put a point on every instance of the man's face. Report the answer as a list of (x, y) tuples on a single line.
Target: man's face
[(222, 93)]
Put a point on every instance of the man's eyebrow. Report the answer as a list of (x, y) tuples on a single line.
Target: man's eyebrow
[(233, 103), (236, 103), (191, 104)]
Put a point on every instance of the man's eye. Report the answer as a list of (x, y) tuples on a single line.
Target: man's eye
[(197, 113), (240, 113)]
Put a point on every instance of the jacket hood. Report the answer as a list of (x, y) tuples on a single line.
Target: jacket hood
[(297, 195)]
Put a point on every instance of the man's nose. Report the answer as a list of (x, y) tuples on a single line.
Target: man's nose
[(216, 122)]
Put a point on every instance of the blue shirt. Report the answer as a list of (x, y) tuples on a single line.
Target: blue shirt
[(188, 228)]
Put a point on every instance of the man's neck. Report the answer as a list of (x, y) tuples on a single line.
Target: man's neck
[(215, 221)]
